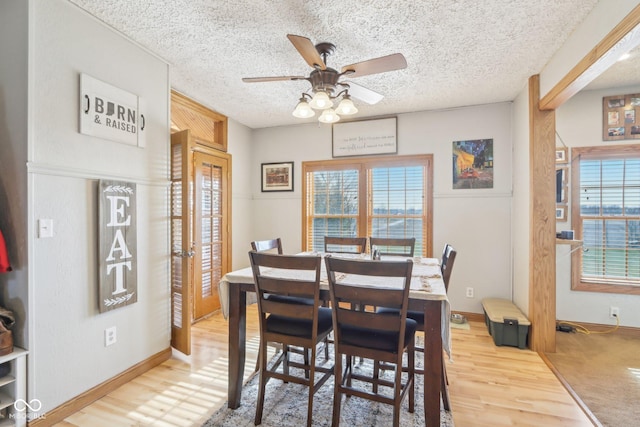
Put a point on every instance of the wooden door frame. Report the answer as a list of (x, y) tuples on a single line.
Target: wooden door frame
[(542, 243)]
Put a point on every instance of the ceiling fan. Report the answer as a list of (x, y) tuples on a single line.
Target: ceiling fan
[(326, 84)]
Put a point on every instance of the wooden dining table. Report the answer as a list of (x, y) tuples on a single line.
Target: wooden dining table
[(427, 294)]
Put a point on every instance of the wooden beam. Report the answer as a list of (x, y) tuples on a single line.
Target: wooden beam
[(624, 37), (542, 259)]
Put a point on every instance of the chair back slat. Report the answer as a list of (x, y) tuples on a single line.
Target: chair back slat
[(345, 245), (372, 320), (364, 296), (293, 311), (273, 245), (289, 287), (393, 246)]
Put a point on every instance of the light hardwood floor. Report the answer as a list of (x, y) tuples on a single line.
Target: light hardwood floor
[(489, 385)]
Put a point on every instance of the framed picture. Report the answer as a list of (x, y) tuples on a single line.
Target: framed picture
[(472, 164), (561, 185), (365, 137), (562, 155), (619, 117), (277, 176), (561, 213)]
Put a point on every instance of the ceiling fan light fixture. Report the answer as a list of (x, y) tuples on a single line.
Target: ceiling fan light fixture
[(346, 107), (328, 116), (321, 101), (303, 110)]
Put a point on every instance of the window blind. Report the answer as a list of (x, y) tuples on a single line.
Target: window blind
[(610, 217)]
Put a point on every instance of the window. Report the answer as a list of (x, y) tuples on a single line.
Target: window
[(380, 197), (606, 215)]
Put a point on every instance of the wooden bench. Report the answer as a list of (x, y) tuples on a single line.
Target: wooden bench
[(505, 322)]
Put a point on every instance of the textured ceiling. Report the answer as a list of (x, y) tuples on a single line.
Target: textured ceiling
[(459, 52)]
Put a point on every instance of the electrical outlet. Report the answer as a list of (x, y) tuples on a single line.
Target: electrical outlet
[(469, 292), (614, 312), (110, 336)]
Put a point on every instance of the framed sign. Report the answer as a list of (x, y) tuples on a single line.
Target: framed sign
[(365, 138), (110, 113), (277, 176), (117, 241), (621, 117)]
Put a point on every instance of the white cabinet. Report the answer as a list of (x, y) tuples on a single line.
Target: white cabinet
[(13, 387)]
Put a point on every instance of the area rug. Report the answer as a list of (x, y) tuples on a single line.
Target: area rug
[(286, 405)]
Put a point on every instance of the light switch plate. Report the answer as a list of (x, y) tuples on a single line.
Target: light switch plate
[(45, 228)]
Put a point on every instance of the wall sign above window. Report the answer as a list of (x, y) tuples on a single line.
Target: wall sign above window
[(621, 117), (110, 113), (365, 137)]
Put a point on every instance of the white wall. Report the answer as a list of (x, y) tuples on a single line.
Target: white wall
[(476, 222), (67, 353), (579, 124), (240, 147)]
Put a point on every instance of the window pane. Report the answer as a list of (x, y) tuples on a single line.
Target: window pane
[(380, 203), (379, 227), (396, 195), (320, 204), (590, 187), (632, 201), (612, 201), (335, 203), (592, 243), (350, 202), (414, 202)]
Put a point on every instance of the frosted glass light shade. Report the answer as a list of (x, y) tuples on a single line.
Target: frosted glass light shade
[(329, 116), (303, 110), (346, 107), (321, 101)]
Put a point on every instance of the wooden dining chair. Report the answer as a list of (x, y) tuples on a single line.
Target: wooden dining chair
[(380, 337), (288, 323), (446, 267), (345, 245), (273, 245), (393, 246), (446, 264)]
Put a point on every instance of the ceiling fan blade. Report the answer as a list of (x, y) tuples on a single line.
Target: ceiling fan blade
[(383, 64), (272, 79), (308, 51), (364, 94)]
